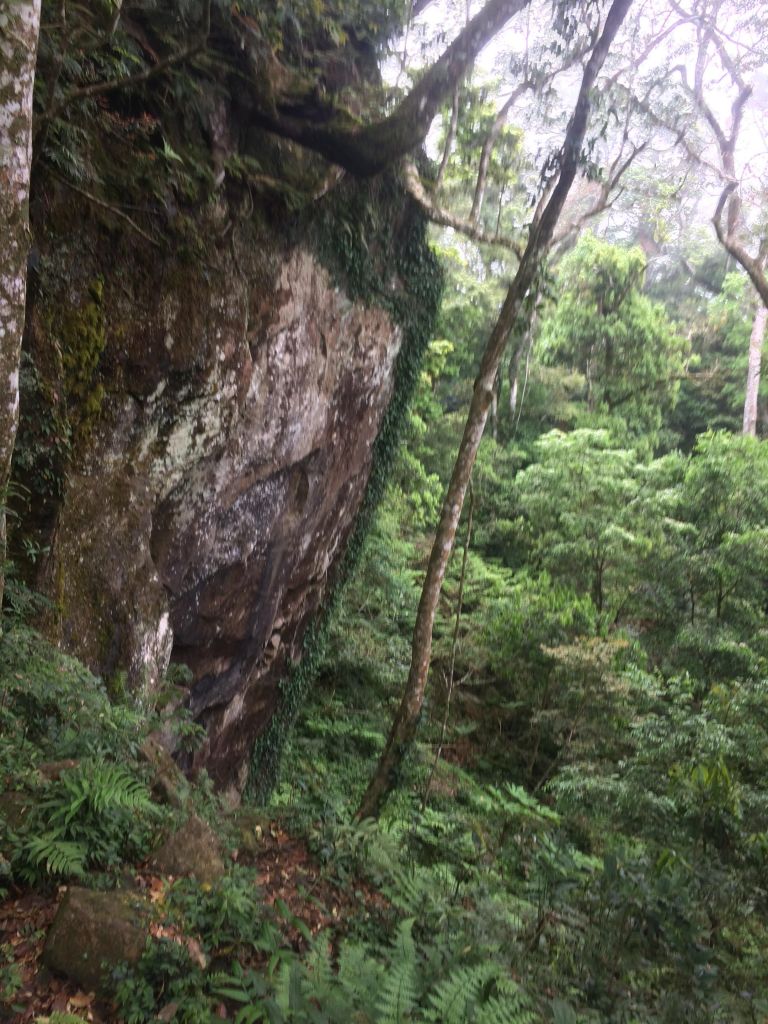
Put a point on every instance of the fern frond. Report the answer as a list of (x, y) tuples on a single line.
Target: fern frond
[(399, 993), (509, 1004), (454, 999), (359, 973), (58, 856)]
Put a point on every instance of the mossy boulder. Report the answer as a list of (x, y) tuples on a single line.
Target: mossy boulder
[(92, 933), (168, 783), (193, 850)]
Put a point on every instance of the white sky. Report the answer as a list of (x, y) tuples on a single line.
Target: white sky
[(443, 19)]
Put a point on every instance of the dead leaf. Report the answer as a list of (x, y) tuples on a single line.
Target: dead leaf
[(81, 999)]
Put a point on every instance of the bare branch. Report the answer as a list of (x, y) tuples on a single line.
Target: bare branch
[(450, 136), (108, 206), (445, 218), (490, 141)]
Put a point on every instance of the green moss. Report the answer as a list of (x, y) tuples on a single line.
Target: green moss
[(82, 338), (61, 394), (405, 279)]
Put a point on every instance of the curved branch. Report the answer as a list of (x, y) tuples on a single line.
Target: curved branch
[(445, 218), (732, 245), (366, 150)]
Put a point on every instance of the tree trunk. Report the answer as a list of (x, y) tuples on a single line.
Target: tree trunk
[(18, 51), (495, 409), (522, 291), (520, 353), (756, 339)]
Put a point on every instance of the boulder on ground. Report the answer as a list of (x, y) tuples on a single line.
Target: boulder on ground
[(193, 849), (92, 933)]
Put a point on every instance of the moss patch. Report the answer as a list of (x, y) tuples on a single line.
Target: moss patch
[(82, 340)]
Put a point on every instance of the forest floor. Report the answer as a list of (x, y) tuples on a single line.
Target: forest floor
[(285, 871)]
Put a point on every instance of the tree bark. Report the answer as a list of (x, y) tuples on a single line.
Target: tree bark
[(749, 425), (18, 50), (521, 291)]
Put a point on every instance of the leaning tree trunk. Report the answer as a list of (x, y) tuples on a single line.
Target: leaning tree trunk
[(756, 339), (20, 21), (522, 292)]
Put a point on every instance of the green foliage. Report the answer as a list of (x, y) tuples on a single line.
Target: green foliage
[(724, 501), (581, 508), (622, 342), (52, 707), (94, 816), (229, 913), (712, 394)]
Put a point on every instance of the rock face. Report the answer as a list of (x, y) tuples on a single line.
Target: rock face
[(219, 478)]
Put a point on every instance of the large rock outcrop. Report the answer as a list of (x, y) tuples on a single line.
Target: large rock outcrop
[(225, 436)]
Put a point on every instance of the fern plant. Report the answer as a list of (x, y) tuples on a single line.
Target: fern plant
[(93, 816), (479, 994), (400, 991)]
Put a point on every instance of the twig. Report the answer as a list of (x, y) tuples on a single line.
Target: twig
[(108, 206), (99, 88)]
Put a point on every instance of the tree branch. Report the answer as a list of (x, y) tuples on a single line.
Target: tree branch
[(732, 246), (365, 150), (445, 218)]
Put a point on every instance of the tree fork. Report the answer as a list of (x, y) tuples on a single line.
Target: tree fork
[(520, 290)]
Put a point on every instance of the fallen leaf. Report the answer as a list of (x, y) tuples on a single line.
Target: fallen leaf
[(81, 999)]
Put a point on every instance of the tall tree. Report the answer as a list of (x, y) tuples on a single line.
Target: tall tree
[(20, 21), (522, 289), (727, 52), (620, 340)]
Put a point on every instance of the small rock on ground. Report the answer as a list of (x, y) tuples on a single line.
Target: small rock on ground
[(192, 850)]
